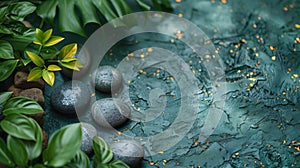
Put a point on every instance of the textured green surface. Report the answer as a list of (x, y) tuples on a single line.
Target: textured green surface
[(260, 124)]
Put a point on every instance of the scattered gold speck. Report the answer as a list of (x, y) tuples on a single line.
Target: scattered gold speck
[(178, 1), (179, 34), (295, 75), (128, 81), (164, 162), (180, 15), (172, 40), (93, 94), (141, 71), (256, 54), (150, 49), (231, 51), (252, 79), (120, 133), (138, 109), (272, 48), (239, 71), (251, 85), (284, 92), (151, 163), (273, 58), (237, 153), (284, 142), (243, 41), (254, 26), (224, 1), (142, 56), (297, 26), (161, 152), (131, 55), (285, 8)]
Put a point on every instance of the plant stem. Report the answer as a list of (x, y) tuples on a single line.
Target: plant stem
[(42, 23)]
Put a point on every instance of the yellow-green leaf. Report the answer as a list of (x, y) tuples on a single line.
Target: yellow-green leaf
[(79, 64), (69, 59), (39, 36), (53, 68), (68, 51), (37, 42), (48, 77), (70, 65), (38, 61), (53, 40), (47, 35), (34, 74)]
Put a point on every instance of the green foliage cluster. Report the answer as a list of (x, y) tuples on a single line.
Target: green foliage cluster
[(23, 145)]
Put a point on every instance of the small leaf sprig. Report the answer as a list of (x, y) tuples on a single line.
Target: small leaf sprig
[(45, 58)]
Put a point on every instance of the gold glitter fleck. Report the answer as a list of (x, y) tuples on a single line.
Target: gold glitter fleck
[(297, 26), (178, 1), (120, 133), (164, 162), (254, 26), (285, 8), (151, 163), (150, 49), (272, 48), (223, 1), (284, 142), (142, 56), (251, 85), (180, 15), (161, 152), (273, 58)]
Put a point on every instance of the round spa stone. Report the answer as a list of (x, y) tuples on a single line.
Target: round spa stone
[(110, 112), (129, 151), (70, 97), (88, 132), (107, 79)]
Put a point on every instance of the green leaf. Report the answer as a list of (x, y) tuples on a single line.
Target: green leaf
[(103, 152), (39, 166), (5, 155), (18, 11), (69, 59), (118, 164), (143, 5), (53, 68), (6, 50), (105, 9), (81, 160), (68, 20), (37, 60), (63, 146), (48, 77), (25, 62), (18, 126), (34, 148), (22, 105), (49, 52), (7, 68), (35, 73), (39, 36), (121, 7), (47, 10), (89, 14), (4, 96), (68, 51), (71, 65), (46, 35), (53, 40), (17, 150)]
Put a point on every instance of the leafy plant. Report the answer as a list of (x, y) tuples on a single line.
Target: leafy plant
[(69, 18), (46, 54), (14, 35), (23, 145)]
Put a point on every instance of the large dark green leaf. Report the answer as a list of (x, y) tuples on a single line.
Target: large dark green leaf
[(5, 155), (63, 146), (81, 160), (4, 96), (17, 150), (7, 68), (22, 105), (19, 126), (68, 17), (6, 50), (18, 11), (103, 152), (34, 148)]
